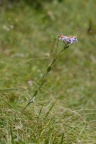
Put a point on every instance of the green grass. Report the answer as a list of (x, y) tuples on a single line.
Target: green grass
[(64, 111)]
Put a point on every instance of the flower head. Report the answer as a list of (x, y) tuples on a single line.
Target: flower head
[(72, 39), (62, 37), (67, 39)]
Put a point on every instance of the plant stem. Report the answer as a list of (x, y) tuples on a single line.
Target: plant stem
[(43, 80)]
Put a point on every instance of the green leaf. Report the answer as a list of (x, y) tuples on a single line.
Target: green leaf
[(49, 68), (66, 47)]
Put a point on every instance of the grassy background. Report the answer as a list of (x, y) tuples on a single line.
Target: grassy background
[(64, 111)]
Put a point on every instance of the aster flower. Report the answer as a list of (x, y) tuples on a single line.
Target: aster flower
[(68, 39), (63, 38), (72, 39)]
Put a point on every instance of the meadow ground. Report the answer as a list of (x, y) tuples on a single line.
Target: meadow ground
[(64, 111)]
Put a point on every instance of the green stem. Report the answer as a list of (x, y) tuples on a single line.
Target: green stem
[(43, 80)]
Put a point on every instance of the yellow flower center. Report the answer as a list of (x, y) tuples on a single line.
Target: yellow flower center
[(61, 36), (70, 36)]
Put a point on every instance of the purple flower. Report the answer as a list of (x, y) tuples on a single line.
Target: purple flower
[(72, 39), (68, 39), (62, 37)]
